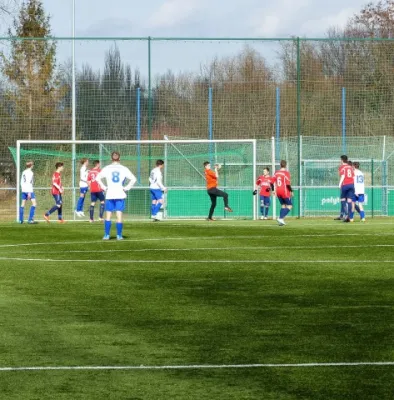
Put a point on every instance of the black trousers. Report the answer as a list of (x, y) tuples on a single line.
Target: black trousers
[(214, 193)]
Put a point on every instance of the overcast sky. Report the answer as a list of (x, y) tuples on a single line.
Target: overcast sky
[(200, 17), (186, 18)]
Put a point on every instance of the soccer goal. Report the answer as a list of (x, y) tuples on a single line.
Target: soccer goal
[(183, 174)]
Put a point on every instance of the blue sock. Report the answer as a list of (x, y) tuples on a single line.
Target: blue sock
[(362, 214), (59, 213), (262, 210), (157, 208), (80, 204), (32, 211), (91, 212), (287, 210), (357, 208), (266, 211), (101, 210), (119, 228), (107, 227), (152, 209), (52, 210), (282, 213), (21, 213)]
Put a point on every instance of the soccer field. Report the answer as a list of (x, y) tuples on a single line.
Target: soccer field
[(198, 310)]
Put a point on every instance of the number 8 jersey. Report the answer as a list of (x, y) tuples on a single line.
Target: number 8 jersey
[(115, 176), (348, 173)]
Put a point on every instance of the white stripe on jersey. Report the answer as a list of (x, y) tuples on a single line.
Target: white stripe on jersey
[(27, 181), (115, 176), (359, 182), (83, 176)]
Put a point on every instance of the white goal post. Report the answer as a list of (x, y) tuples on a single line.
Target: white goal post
[(183, 173)]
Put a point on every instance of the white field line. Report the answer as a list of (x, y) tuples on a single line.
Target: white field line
[(196, 366), (199, 238), (230, 222), (261, 248), (259, 224), (112, 261)]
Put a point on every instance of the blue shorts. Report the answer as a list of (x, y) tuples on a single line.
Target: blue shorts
[(347, 191), (285, 201), (25, 195), (115, 205), (156, 194), (94, 196), (359, 198), (265, 200), (83, 190), (58, 199)]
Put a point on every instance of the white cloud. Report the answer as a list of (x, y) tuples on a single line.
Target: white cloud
[(268, 26), (108, 27), (172, 12), (271, 21), (321, 25)]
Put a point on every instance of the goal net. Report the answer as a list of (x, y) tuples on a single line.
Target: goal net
[(183, 174), (320, 195)]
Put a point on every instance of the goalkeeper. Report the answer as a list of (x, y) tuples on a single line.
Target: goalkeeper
[(264, 182), (211, 177)]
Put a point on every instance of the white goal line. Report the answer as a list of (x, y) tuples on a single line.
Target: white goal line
[(196, 366), (112, 261)]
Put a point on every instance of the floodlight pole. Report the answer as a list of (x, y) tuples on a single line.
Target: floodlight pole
[(73, 106)]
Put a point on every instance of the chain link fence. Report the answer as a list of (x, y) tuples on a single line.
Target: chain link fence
[(331, 92)]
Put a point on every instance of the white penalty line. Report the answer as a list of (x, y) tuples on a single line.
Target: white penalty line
[(292, 236), (196, 366), (255, 248), (112, 261)]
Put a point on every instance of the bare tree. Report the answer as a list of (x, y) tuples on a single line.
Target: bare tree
[(376, 20), (8, 7)]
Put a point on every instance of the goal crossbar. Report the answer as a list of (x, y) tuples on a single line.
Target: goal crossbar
[(23, 146)]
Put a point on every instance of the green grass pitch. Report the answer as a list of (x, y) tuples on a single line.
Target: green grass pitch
[(189, 294)]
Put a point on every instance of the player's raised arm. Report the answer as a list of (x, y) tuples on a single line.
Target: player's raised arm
[(217, 167)]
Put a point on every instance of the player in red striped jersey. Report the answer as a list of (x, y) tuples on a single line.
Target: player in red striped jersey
[(283, 190), (346, 184), (96, 192), (264, 182), (57, 191)]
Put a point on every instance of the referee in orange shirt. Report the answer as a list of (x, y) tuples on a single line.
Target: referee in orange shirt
[(212, 182)]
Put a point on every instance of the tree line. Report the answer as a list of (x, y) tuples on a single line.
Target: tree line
[(35, 90)]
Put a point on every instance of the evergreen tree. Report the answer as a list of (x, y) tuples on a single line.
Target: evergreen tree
[(32, 88)]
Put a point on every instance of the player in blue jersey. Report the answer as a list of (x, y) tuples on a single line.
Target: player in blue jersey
[(156, 189), (115, 176), (83, 186), (359, 191), (27, 190)]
